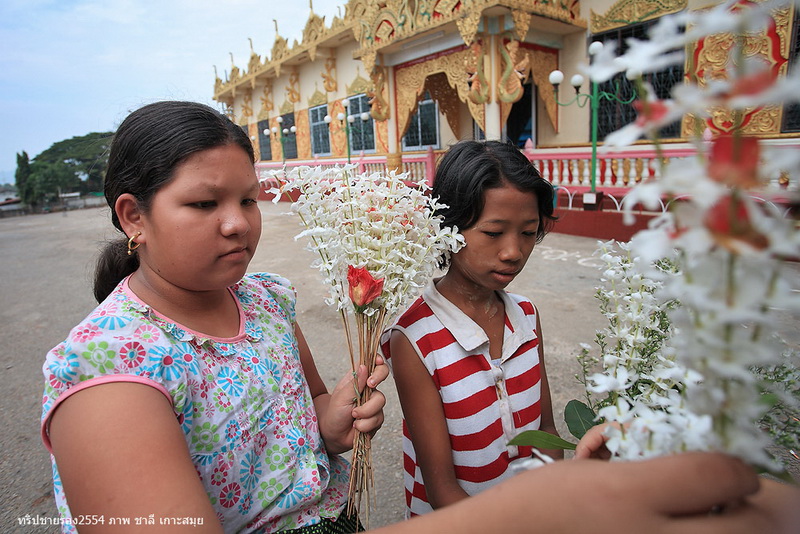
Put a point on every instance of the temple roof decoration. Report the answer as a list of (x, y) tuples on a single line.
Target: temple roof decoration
[(626, 12), (376, 24)]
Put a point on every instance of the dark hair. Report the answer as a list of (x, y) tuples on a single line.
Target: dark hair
[(147, 147), (469, 168)]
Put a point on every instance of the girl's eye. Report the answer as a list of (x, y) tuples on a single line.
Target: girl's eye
[(492, 234), (204, 204), (249, 202), (529, 234)]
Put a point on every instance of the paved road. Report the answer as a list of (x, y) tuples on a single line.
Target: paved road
[(46, 264)]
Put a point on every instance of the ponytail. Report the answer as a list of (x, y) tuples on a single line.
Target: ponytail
[(113, 265)]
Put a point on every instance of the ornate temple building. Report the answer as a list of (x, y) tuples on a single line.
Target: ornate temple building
[(393, 83)]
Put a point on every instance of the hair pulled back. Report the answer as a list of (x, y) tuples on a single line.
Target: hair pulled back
[(145, 151), (469, 168)]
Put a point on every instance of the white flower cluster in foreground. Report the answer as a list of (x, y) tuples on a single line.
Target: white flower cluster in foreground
[(378, 221), (642, 383), (730, 241)]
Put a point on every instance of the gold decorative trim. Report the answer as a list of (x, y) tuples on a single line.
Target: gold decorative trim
[(475, 69), (329, 75), (267, 104), (447, 98), (317, 99), (541, 64), (286, 108), (522, 22), (293, 89), (468, 26), (511, 72), (379, 95), (384, 22), (410, 85), (627, 12), (712, 59), (360, 85), (247, 106)]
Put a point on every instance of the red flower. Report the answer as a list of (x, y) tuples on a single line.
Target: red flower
[(752, 84), (363, 287), (652, 111), (734, 160), (729, 222)]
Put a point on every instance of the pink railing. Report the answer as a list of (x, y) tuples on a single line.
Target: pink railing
[(567, 169)]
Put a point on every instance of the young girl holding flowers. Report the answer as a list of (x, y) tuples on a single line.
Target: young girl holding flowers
[(467, 356), (190, 392)]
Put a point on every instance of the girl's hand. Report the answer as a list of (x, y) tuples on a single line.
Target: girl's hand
[(343, 417), (593, 444)]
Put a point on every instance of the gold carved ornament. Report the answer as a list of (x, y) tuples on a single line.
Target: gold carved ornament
[(710, 59), (627, 12), (541, 62), (378, 95), (446, 96), (511, 75), (329, 76), (410, 85), (255, 60), (247, 107), (293, 89), (266, 102), (381, 136), (359, 85), (474, 65), (468, 25), (318, 98), (286, 108)]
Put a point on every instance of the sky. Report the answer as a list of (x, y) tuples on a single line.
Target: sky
[(72, 67)]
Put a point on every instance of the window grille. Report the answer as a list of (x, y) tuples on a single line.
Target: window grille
[(265, 148), (320, 132), (423, 129), (612, 115)]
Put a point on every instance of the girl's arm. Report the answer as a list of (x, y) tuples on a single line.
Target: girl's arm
[(336, 412), (424, 415), (121, 454), (548, 423), (673, 494)]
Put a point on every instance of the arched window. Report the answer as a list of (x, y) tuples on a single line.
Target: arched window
[(423, 129)]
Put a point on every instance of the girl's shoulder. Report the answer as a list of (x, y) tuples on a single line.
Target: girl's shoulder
[(267, 288), (523, 303)]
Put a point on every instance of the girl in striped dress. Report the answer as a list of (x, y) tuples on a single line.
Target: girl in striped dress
[(467, 356)]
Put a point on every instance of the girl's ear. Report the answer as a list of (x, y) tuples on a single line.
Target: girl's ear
[(129, 214)]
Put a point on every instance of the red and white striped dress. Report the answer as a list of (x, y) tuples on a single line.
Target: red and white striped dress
[(485, 403)]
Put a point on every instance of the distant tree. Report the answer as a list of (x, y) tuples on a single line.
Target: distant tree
[(86, 156), (47, 180), (22, 177)]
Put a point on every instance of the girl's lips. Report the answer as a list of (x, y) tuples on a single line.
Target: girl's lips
[(235, 254), (505, 277)]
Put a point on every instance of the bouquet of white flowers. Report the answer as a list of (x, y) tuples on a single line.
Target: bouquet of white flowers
[(378, 242)]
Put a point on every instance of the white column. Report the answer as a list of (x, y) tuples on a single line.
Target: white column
[(494, 129)]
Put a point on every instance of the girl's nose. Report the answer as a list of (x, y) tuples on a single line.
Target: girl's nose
[(234, 223), (512, 250)]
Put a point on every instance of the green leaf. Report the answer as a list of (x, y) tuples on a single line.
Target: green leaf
[(579, 418), (541, 440)]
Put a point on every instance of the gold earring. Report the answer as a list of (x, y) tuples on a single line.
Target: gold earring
[(133, 245)]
